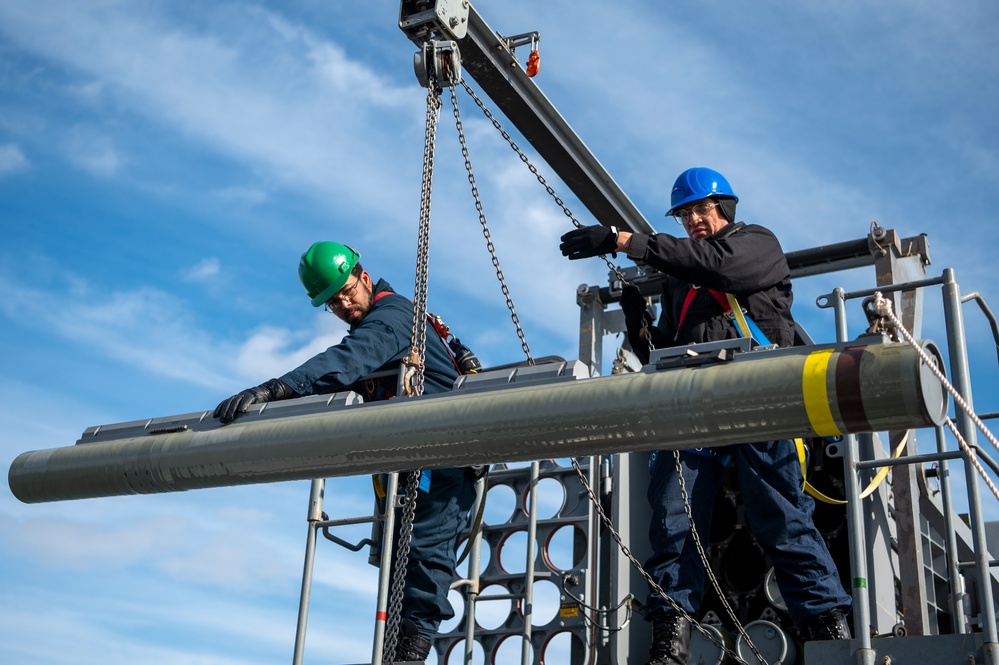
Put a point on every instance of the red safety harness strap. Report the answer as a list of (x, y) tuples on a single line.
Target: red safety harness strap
[(436, 323)]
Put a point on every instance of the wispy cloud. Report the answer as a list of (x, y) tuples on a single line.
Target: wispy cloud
[(201, 271), (12, 159), (217, 86), (93, 153), (147, 328)]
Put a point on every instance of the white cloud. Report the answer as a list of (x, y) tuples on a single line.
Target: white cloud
[(145, 328), (12, 159), (284, 111), (201, 271), (273, 351), (94, 153), (244, 195)]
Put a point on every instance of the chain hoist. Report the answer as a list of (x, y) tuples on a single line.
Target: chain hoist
[(414, 362), (437, 65)]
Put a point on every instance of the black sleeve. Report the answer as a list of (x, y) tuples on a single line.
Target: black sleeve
[(739, 259)]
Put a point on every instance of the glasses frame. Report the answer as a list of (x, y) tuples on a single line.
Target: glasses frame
[(699, 209), (335, 303)]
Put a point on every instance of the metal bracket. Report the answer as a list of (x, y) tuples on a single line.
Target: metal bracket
[(709, 358), (514, 41), (418, 18)]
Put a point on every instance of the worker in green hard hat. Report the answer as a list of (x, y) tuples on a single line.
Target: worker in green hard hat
[(378, 338)]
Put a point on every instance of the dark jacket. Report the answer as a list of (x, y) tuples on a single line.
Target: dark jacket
[(377, 343), (743, 259)]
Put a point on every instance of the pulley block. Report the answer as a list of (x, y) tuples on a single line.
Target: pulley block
[(438, 63)]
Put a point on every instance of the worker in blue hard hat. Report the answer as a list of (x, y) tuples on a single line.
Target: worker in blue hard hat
[(725, 280), (379, 337)]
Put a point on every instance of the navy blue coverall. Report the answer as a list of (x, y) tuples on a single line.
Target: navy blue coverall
[(379, 342), (747, 261)]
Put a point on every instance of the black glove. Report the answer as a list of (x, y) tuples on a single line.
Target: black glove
[(268, 391), (589, 241), (636, 313), (636, 317)]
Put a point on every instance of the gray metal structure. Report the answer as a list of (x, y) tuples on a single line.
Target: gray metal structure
[(920, 575)]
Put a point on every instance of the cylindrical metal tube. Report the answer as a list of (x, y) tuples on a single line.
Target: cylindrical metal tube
[(816, 391)]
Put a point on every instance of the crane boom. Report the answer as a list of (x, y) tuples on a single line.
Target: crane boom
[(493, 65)]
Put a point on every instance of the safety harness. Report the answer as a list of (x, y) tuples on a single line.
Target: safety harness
[(464, 360), (744, 325)]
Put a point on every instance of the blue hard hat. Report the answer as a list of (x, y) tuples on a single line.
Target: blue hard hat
[(696, 184)]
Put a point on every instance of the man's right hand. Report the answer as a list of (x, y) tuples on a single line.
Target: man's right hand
[(269, 391), (587, 241)]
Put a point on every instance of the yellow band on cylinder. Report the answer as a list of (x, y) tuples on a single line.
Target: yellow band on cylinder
[(813, 388)]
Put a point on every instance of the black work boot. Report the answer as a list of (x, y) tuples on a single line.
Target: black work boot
[(411, 648), (670, 640), (829, 626)]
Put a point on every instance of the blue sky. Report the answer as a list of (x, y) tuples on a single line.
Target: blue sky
[(163, 166)]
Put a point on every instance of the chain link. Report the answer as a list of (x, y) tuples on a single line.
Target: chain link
[(415, 361), (704, 558), (541, 179), (645, 574), (408, 512), (413, 377), (485, 229)]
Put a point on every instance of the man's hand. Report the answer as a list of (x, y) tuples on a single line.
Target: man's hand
[(634, 307), (269, 391), (637, 320), (589, 241)]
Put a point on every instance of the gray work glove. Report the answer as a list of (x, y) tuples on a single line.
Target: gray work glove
[(268, 391), (589, 241)]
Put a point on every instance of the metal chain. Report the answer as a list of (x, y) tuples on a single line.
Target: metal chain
[(485, 229), (695, 536), (394, 614), (883, 307), (645, 574), (413, 378), (415, 360), (551, 192), (541, 179)]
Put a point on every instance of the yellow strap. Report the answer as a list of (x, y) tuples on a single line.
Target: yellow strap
[(877, 480), (740, 318), (376, 483), (813, 389)]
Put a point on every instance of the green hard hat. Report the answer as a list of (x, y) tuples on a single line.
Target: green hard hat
[(325, 268)]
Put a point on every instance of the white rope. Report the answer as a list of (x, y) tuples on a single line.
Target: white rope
[(883, 307)]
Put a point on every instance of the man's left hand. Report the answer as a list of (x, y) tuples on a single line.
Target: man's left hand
[(589, 241)]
